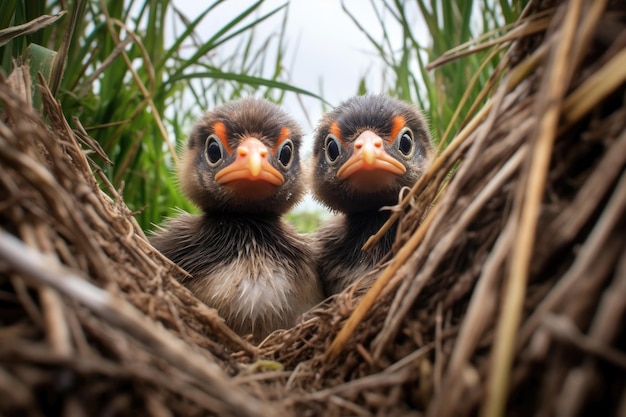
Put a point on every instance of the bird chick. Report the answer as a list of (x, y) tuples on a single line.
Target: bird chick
[(241, 166), (365, 151)]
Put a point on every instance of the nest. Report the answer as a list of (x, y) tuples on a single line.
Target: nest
[(506, 293)]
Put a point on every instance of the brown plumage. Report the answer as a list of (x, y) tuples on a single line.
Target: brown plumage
[(241, 166), (365, 151)]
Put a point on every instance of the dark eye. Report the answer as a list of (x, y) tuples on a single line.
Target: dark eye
[(213, 150), (285, 153), (331, 146), (405, 142)]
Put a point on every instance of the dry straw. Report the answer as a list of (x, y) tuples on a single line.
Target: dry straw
[(506, 294)]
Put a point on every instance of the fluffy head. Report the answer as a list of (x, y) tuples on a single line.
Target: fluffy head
[(366, 150), (252, 146)]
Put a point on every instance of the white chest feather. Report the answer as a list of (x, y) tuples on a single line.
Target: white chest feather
[(249, 290), (255, 293)]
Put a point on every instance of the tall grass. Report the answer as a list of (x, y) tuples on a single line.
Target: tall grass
[(446, 25), (114, 67), (130, 86)]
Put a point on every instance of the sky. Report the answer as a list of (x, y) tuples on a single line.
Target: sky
[(325, 49)]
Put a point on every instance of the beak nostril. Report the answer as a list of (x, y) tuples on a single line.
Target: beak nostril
[(358, 145), (242, 151), (263, 153)]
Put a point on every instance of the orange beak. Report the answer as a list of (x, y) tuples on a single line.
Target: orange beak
[(251, 164), (369, 155)]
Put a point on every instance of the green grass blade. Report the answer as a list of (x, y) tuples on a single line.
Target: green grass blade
[(41, 61), (247, 79)]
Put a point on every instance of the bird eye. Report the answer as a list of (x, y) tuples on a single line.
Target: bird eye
[(405, 142), (331, 146), (285, 153), (213, 151)]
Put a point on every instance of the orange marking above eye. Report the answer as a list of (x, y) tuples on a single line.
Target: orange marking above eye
[(285, 132), (220, 131), (397, 124), (336, 132)]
